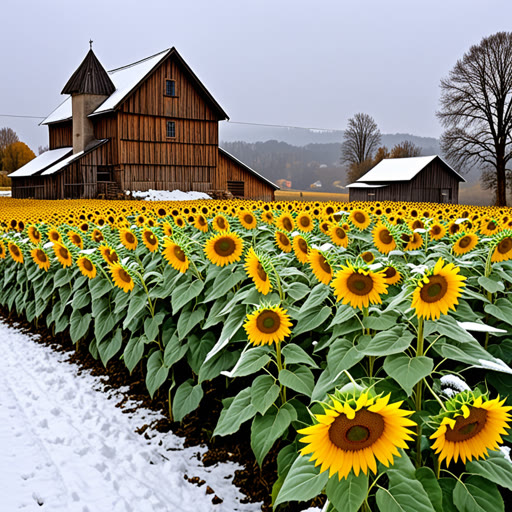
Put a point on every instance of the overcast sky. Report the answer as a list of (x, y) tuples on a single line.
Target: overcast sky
[(287, 62)]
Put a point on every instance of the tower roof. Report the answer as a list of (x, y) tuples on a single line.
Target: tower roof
[(90, 78)]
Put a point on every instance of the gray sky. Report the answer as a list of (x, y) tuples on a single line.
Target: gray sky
[(286, 62)]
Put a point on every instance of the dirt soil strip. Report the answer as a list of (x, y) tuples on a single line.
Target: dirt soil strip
[(65, 446)]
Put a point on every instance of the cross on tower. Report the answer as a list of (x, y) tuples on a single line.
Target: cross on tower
[(90, 43)]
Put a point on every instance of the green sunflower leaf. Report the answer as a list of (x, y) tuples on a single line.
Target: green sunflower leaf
[(495, 468), (477, 494), (347, 494), (408, 371)]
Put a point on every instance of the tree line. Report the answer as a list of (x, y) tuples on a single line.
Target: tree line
[(13, 154)]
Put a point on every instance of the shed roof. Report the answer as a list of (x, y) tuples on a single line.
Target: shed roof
[(41, 162), (247, 168), (401, 169), (125, 80), (90, 78)]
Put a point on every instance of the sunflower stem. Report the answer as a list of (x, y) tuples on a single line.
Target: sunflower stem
[(419, 391), (279, 288), (435, 395), (198, 274), (488, 270), (282, 389)]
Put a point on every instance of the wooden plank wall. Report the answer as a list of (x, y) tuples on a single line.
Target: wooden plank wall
[(230, 170), (61, 135)]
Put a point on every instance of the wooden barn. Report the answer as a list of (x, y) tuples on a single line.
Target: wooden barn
[(149, 125), (418, 179)]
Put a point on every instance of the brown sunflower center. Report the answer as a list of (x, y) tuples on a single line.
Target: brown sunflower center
[(201, 221), (150, 238), (359, 284), (124, 276), (249, 219), (54, 236), (305, 222), (436, 230), (41, 256), (98, 237), (36, 234), (178, 252), (324, 264), (466, 428), (465, 241), (360, 217), (340, 233), (15, 250), (129, 237), (385, 237), (261, 272), (76, 239), (454, 228), (283, 239), (505, 245), (111, 256), (417, 224), (491, 226), (224, 246), (87, 265), (303, 246), (367, 256), (221, 223), (434, 290), (287, 224), (390, 272), (64, 253), (358, 433), (405, 238), (161, 212), (268, 321)]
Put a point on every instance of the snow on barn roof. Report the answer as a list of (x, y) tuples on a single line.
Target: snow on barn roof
[(124, 79), (401, 169), (42, 162), (363, 185)]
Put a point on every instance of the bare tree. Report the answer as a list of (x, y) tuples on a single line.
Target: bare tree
[(405, 149), (476, 110), (42, 149), (361, 139)]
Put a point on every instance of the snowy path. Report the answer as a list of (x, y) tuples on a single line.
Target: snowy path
[(64, 446)]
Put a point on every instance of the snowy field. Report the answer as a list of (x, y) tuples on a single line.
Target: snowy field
[(64, 446), (167, 195)]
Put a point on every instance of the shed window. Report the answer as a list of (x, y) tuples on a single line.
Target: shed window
[(170, 88), (237, 188), (171, 129), (446, 195)]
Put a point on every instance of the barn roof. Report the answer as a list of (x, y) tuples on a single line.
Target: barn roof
[(247, 168), (126, 79), (364, 185), (402, 169), (90, 78), (53, 161)]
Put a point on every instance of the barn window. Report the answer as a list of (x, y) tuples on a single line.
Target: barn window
[(237, 188), (446, 195), (170, 88), (171, 129)]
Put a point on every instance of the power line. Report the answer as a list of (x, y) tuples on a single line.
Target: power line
[(27, 117)]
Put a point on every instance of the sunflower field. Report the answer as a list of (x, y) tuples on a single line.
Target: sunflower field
[(369, 342)]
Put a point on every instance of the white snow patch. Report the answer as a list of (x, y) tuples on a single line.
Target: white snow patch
[(66, 447), (506, 452), (455, 383), (497, 365), (5, 193), (478, 327), (167, 195)]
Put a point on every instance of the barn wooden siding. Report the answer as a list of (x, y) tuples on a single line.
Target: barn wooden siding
[(61, 135), (228, 170), (426, 186)]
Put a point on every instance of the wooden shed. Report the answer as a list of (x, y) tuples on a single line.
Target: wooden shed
[(149, 125), (418, 179)]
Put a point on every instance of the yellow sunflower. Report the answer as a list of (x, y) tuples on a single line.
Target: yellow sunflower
[(224, 248), (320, 267), (122, 279), (128, 239), (267, 217), (108, 254), (305, 222), (175, 256), (391, 275), (86, 266), (34, 234), (382, 239), (150, 240), (97, 235), (54, 235), (3, 252), (267, 325), (338, 236), (415, 242), (368, 257), (257, 272), (247, 219), (359, 287), (503, 250), (75, 239), (15, 252), (62, 254), (360, 219), (180, 221), (200, 223), (325, 226), (220, 223), (489, 227), (438, 291), (352, 435), (282, 241), (40, 258), (437, 231), (470, 431), (300, 248), (167, 229), (465, 244), (285, 222)]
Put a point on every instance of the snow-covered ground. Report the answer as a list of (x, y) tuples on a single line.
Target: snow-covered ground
[(167, 195), (5, 193), (65, 447)]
